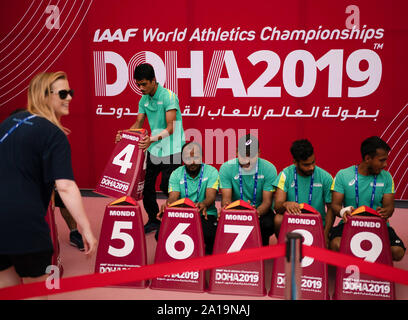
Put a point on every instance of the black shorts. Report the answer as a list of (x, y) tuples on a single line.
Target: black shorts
[(58, 201), (31, 265), (337, 231)]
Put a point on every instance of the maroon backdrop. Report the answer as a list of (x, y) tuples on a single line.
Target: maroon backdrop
[(290, 69)]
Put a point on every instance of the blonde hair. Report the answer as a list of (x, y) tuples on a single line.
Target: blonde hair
[(38, 90)]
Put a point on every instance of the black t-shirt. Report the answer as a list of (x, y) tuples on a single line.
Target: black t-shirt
[(32, 157)]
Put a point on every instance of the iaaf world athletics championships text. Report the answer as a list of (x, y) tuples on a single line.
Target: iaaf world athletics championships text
[(268, 33)]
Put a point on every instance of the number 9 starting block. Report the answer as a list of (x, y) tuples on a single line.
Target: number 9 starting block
[(124, 174), (314, 279), (238, 228), (180, 238), (365, 235), (122, 243)]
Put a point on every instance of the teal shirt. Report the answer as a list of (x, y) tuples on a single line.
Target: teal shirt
[(229, 179), (344, 182), (155, 109), (321, 193), (210, 180)]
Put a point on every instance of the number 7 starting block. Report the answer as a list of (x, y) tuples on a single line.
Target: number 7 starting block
[(124, 174), (365, 235), (238, 229), (180, 237), (314, 278)]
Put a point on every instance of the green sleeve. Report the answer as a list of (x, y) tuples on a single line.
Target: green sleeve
[(225, 179), (213, 179), (174, 181), (338, 184)]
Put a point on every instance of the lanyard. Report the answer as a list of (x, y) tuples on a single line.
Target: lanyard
[(241, 189), (16, 126), (199, 182), (356, 187), (297, 188)]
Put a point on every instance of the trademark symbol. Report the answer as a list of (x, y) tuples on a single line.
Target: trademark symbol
[(378, 46)]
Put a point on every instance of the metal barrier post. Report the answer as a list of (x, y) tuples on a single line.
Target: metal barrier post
[(293, 267)]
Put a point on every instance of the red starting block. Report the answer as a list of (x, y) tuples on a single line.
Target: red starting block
[(50, 218), (124, 174), (180, 238), (314, 278), (365, 235), (238, 228), (122, 243)]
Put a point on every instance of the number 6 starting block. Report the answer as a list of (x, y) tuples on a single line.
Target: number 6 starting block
[(124, 174), (180, 238), (122, 243), (238, 228), (314, 278), (365, 235)]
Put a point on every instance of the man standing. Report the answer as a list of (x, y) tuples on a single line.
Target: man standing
[(199, 182), (303, 182), (250, 178), (366, 184), (163, 146)]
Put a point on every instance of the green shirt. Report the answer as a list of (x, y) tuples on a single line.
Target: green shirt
[(344, 182), (229, 179), (321, 187), (155, 109), (210, 180)]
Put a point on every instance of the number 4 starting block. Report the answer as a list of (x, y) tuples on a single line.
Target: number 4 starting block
[(125, 172), (180, 238), (365, 235), (238, 228), (122, 243), (314, 279)]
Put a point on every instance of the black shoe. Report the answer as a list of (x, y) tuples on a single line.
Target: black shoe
[(75, 239), (150, 227)]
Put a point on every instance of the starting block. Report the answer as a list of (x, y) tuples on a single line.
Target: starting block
[(238, 228), (122, 243), (50, 218), (180, 237), (124, 174), (314, 278), (365, 235)]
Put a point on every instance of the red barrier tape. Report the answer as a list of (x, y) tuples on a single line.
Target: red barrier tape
[(152, 271)]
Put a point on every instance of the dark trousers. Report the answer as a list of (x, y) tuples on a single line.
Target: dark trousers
[(267, 224), (155, 166)]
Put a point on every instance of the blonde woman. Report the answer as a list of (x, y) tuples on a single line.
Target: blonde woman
[(35, 156)]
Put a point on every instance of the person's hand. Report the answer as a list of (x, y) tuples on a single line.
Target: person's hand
[(145, 143), (385, 214), (90, 242), (118, 136), (346, 212), (292, 207), (203, 209), (162, 208)]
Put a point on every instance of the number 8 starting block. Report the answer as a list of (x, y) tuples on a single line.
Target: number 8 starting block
[(314, 279), (365, 235), (180, 237), (238, 228), (124, 174)]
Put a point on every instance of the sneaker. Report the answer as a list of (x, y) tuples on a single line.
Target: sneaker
[(75, 239), (150, 227)]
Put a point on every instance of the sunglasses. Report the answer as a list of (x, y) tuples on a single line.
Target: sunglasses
[(64, 93)]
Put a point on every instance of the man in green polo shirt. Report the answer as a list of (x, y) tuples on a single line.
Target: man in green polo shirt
[(250, 178), (163, 146), (198, 182), (303, 182), (366, 184)]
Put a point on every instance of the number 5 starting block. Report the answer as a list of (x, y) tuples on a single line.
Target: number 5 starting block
[(238, 228), (125, 172), (122, 243), (365, 235), (314, 279), (180, 238)]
